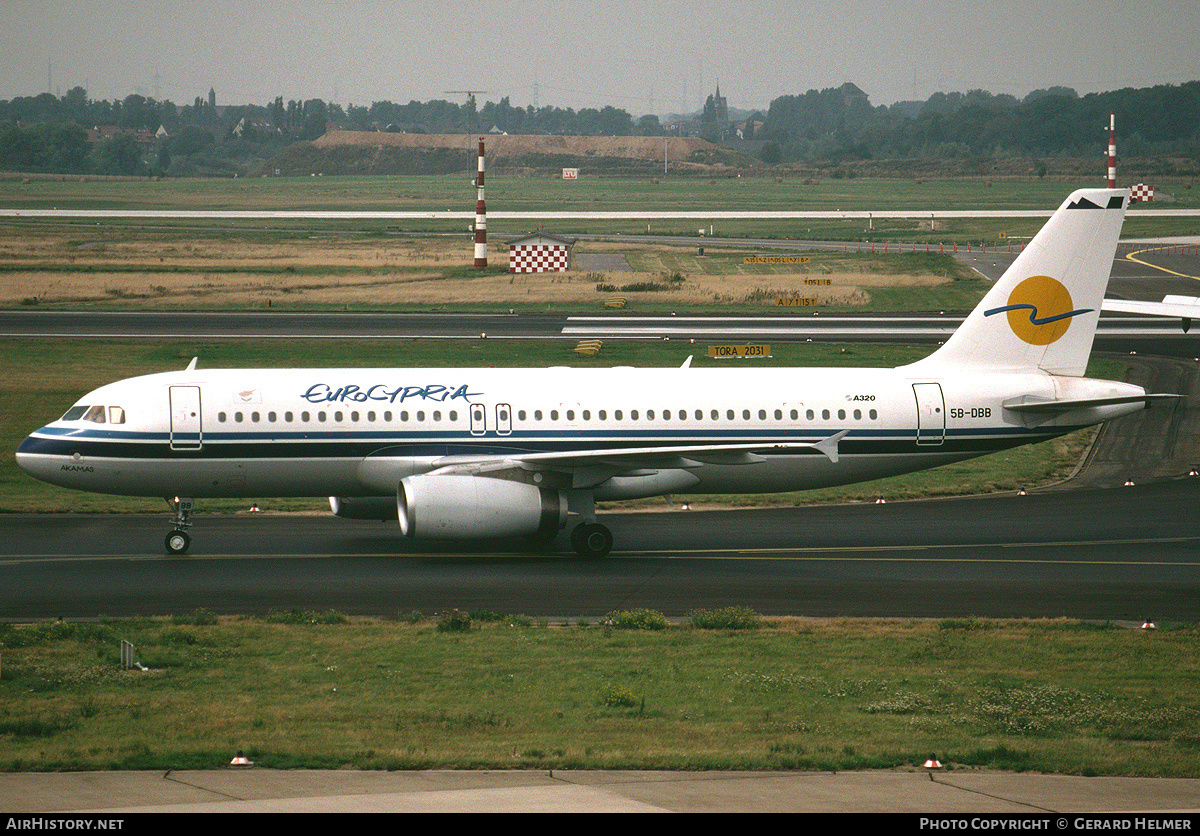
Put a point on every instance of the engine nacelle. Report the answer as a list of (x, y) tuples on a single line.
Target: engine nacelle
[(459, 505), (364, 507)]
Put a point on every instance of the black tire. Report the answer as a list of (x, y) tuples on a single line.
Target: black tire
[(177, 542), (591, 540)]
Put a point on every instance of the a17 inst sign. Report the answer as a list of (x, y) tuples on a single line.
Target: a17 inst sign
[(570, 174)]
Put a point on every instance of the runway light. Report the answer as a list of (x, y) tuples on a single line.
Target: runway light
[(241, 760), (254, 508), (932, 765), (881, 501), (1021, 492), (1129, 483), (1193, 472), (687, 506), (1148, 625)]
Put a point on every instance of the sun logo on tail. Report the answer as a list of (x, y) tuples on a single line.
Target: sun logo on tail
[(1039, 310)]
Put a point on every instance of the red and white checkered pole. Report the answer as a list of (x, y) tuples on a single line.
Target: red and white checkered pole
[(480, 218), (1112, 150)]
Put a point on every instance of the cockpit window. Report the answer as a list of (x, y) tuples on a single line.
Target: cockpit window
[(95, 414), (116, 415), (74, 413)]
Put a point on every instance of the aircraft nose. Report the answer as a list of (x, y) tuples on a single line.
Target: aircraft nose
[(32, 457)]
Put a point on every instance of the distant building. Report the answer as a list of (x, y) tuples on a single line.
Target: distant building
[(143, 136), (539, 253)]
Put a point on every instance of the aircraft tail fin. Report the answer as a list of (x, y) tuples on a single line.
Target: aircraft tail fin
[(1042, 313)]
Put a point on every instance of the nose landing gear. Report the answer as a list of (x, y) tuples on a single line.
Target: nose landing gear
[(177, 541)]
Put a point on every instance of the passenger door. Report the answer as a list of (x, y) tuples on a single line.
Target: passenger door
[(931, 413), (186, 431)]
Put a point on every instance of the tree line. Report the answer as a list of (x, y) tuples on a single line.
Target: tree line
[(47, 133)]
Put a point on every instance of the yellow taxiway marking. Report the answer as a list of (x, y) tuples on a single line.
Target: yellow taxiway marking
[(1130, 257)]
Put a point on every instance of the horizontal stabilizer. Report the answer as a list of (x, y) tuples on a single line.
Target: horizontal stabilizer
[(1186, 308), (1037, 406)]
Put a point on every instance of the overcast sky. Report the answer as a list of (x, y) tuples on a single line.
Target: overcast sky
[(644, 56)]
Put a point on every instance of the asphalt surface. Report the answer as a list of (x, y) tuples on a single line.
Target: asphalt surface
[(1005, 800)]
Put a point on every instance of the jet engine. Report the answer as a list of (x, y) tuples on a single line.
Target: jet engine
[(460, 505)]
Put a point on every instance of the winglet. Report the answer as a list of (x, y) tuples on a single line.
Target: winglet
[(829, 446)]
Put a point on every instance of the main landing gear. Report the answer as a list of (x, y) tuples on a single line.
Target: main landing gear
[(591, 539), (177, 541)]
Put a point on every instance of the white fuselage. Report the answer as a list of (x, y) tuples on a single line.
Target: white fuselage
[(357, 432)]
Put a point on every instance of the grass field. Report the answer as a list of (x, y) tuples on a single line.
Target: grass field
[(530, 194), (312, 690)]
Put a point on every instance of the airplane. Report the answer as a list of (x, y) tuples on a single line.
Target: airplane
[(494, 452)]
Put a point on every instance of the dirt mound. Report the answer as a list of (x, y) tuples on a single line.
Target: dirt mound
[(504, 147), (364, 152)]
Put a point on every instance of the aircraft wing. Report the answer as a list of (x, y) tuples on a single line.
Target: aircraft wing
[(607, 462), (1186, 308)]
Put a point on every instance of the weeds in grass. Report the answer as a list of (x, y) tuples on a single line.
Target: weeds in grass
[(792, 694)]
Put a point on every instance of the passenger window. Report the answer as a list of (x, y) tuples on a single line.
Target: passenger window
[(304, 416), (354, 416), (221, 417), (779, 415), (420, 415), (237, 416), (289, 417), (537, 415), (873, 414), (272, 417), (520, 415), (650, 414), (729, 414), (602, 414), (745, 415), (617, 414), (570, 415), (714, 415), (371, 417), (809, 415), (633, 415), (437, 415), (858, 415), (95, 414), (254, 416), (841, 413), (825, 414), (387, 416)]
